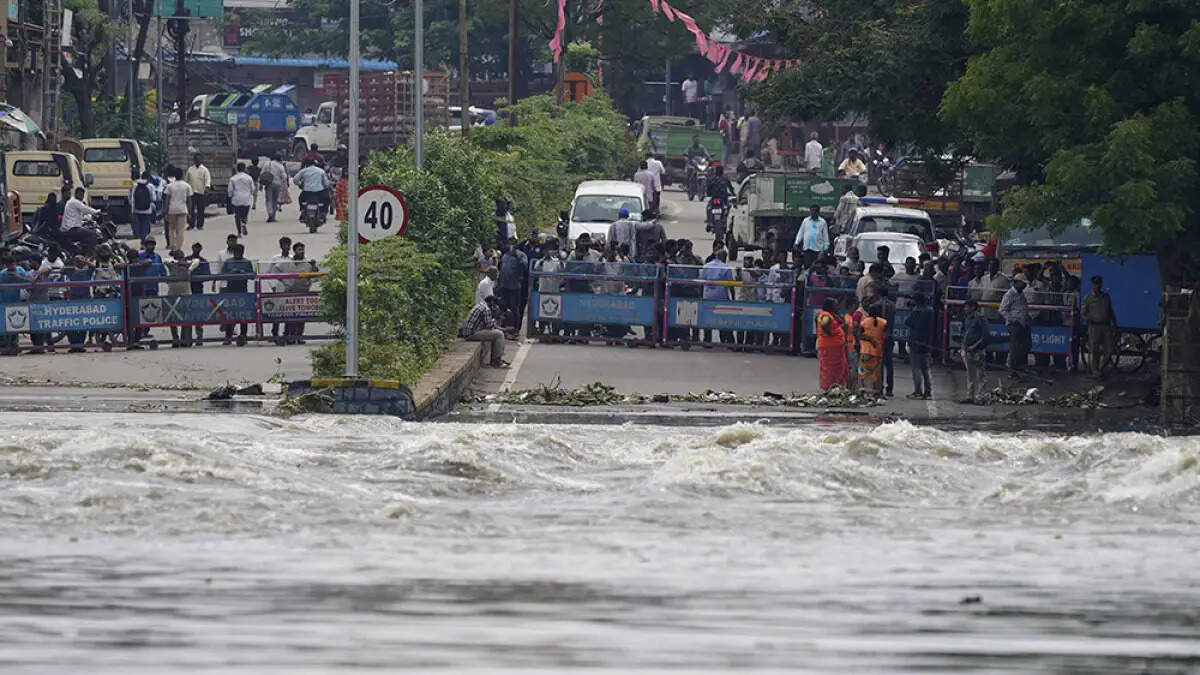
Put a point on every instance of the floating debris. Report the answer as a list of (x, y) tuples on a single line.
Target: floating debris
[(598, 393), (315, 401), (1031, 396)]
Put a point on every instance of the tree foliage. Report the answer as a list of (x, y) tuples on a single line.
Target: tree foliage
[(1096, 104), (92, 34), (888, 59)]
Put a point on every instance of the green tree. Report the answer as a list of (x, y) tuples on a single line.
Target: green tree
[(888, 59), (92, 34), (1096, 105)]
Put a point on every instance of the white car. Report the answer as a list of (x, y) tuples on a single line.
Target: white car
[(597, 203), (887, 219), (900, 246)]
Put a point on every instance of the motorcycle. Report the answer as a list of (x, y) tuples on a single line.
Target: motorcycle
[(698, 178), (312, 211), (718, 217)]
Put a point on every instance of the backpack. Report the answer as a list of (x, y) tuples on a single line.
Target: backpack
[(266, 178), (142, 197)]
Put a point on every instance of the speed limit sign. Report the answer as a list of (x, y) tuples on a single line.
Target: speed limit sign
[(382, 213)]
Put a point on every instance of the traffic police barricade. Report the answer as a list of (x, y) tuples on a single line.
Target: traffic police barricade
[(225, 300), (699, 301), (1053, 328), (50, 311), (583, 300), (287, 301)]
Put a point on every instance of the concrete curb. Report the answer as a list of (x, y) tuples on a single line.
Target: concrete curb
[(360, 396), (440, 389)]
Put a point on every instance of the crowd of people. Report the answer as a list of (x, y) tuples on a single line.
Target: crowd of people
[(39, 278)]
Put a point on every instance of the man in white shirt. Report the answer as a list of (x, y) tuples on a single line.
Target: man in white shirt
[(72, 228), (813, 236), (691, 89), (201, 181), (656, 167), (487, 285), (813, 154), (241, 196), (177, 195), (279, 264)]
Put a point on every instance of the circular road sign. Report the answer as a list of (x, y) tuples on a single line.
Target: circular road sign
[(382, 213)]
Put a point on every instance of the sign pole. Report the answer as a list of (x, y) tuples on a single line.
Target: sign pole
[(352, 205), (419, 83)]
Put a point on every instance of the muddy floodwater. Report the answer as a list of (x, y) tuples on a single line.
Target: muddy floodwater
[(193, 543)]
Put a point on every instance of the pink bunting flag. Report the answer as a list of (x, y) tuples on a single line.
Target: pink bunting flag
[(667, 10), (654, 6), (556, 44), (737, 64), (725, 52)]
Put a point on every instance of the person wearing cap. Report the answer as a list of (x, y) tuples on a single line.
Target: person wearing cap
[(1101, 321), (623, 231), (1014, 307)]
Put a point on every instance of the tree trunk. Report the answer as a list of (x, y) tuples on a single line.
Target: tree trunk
[(143, 10), (82, 94)]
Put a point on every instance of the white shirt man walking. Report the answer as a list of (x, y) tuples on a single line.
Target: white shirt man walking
[(201, 181), (274, 180), (656, 167), (241, 196), (813, 236), (813, 154)]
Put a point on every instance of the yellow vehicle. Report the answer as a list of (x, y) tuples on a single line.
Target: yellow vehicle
[(33, 174), (114, 163)]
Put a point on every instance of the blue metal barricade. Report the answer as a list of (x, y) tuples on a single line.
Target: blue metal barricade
[(49, 311), (747, 308), (587, 300), (234, 304), (1053, 330), (286, 299)]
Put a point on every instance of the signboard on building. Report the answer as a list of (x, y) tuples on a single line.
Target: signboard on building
[(14, 10), (192, 8), (241, 23)]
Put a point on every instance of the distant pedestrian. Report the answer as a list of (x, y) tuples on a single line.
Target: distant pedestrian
[(237, 264), (255, 172), (872, 340), (920, 334), (199, 178), (1015, 310), (649, 182), (813, 153), (177, 196), (754, 127), (813, 236), (852, 320), (201, 271), (974, 345), (718, 272), (831, 346), (141, 199), (279, 264), (887, 312), (656, 167), (179, 272), (547, 282), (514, 266), (294, 330), (241, 196), (274, 181), (1101, 326), (487, 285)]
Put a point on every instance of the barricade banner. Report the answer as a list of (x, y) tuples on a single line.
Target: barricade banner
[(290, 306), (1052, 330), (199, 309), (64, 316), (1045, 339), (593, 300), (746, 305)]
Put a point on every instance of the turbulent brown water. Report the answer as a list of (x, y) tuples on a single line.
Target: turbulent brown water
[(189, 543)]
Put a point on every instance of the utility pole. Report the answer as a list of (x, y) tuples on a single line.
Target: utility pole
[(464, 75), (179, 31), (419, 83), (512, 50), (158, 98), (352, 204), (129, 57), (667, 90)]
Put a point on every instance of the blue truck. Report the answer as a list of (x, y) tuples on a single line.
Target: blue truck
[(265, 120)]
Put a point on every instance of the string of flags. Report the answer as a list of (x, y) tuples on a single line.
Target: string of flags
[(749, 68)]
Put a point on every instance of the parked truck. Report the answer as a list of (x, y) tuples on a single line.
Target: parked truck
[(779, 201), (386, 112), (265, 121), (216, 143)]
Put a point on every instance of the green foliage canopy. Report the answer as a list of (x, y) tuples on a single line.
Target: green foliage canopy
[(1097, 105)]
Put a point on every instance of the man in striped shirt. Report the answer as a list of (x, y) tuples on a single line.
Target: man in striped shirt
[(481, 327)]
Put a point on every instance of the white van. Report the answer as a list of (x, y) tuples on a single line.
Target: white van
[(596, 205)]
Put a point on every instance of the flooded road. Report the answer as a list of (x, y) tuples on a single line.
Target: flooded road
[(186, 543)]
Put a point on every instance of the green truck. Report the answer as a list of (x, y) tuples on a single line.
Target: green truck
[(780, 201), (669, 138)]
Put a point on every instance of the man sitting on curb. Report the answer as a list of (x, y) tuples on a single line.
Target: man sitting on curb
[(481, 327)]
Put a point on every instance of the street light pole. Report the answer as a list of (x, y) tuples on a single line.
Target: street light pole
[(352, 203), (129, 56), (419, 83)]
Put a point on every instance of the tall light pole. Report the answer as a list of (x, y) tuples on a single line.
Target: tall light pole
[(464, 77), (130, 57), (352, 203), (419, 83)]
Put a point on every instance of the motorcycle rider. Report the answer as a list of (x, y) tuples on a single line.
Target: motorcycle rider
[(696, 152), (719, 187), (314, 186), (72, 230), (563, 229)]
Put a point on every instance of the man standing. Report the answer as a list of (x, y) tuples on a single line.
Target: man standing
[(203, 269), (813, 236), (1101, 325), (920, 336), (717, 270), (622, 231), (241, 196), (200, 180), (255, 172), (514, 265), (294, 330), (141, 199), (237, 265), (1015, 310), (72, 228), (753, 133), (813, 154), (649, 182), (481, 327), (691, 96), (487, 285), (656, 167), (280, 264), (974, 344), (887, 312), (725, 125), (848, 203), (177, 196), (274, 180)]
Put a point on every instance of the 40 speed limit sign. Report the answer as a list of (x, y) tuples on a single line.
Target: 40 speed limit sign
[(382, 213)]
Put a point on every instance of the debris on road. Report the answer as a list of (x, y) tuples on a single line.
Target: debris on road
[(598, 393), (1031, 396)]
